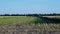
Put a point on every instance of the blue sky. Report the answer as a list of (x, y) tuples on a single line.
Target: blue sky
[(29, 6)]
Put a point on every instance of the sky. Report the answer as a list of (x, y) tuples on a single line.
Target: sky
[(29, 6)]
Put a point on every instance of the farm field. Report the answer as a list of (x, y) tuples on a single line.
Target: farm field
[(18, 19), (26, 25), (58, 17), (51, 19)]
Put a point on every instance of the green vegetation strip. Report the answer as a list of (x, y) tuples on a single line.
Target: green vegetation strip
[(18, 19)]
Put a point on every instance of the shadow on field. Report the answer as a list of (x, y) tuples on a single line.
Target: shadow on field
[(49, 20), (41, 20)]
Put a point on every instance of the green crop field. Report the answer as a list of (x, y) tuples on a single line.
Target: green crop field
[(26, 25), (18, 19)]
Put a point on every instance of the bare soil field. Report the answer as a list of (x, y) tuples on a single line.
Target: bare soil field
[(30, 29)]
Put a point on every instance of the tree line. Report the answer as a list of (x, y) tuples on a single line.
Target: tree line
[(30, 14)]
